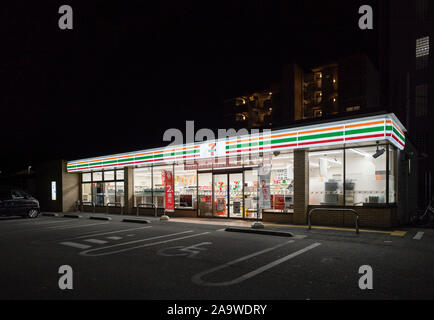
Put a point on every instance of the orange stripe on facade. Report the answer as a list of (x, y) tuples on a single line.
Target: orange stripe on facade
[(364, 124), (262, 138), (132, 155), (396, 127), (322, 130)]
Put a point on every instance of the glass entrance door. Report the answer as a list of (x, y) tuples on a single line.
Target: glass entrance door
[(251, 193), (236, 201), (204, 195), (220, 195)]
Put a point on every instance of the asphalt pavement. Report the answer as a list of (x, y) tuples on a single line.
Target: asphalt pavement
[(197, 259)]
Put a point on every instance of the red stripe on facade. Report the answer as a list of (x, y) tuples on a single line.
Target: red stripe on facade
[(366, 137), (131, 162), (262, 148), (397, 140), (323, 141)]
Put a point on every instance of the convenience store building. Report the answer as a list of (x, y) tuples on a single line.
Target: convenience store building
[(359, 163)]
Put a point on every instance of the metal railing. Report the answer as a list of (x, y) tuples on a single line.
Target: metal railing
[(116, 204), (87, 203), (146, 205), (334, 209)]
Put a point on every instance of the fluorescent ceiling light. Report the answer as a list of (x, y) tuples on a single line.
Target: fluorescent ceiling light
[(360, 152)]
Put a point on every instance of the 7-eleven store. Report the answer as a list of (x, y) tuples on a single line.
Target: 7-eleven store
[(325, 165)]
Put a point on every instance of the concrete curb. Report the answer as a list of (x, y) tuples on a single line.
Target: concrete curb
[(72, 216), (49, 214), (261, 231), (136, 220), (100, 218)]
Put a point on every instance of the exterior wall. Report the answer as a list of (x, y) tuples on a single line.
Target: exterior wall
[(368, 217), (129, 191), (301, 186), (277, 217), (70, 189)]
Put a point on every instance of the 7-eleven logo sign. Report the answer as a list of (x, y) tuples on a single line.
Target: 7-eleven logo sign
[(212, 148)]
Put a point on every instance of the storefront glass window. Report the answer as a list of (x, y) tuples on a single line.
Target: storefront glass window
[(97, 176), (109, 192), (142, 185), (365, 176), (282, 182), (120, 174), (86, 177), (98, 193), (325, 177), (120, 192), (158, 184), (185, 187), (86, 192), (392, 153), (109, 175)]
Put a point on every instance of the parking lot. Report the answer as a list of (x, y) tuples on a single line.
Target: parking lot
[(183, 259)]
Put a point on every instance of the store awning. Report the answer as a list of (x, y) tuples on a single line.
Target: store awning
[(358, 130)]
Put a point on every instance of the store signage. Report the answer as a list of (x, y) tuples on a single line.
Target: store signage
[(264, 173), (366, 129), (169, 199), (53, 190)]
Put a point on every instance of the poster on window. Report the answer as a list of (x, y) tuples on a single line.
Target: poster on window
[(264, 174), (169, 197)]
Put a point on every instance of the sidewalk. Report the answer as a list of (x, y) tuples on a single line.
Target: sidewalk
[(229, 223)]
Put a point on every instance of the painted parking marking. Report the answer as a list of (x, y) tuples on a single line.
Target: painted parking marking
[(187, 251), (114, 238), (76, 226), (198, 277), (51, 222), (110, 232), (96, 241), (91, 252), (418, 235), (76, 245)]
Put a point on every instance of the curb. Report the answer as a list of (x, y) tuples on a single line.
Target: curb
[(72, 216), (136, 220), (100, 218), (261, 231), (50, 214)]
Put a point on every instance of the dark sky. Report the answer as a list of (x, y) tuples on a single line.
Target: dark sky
[(130, 70)]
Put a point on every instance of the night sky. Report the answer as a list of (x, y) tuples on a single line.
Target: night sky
[(130, 70)]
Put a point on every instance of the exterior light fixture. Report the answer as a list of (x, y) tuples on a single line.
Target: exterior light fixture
[(378, 153)]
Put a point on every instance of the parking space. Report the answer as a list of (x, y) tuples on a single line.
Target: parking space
[(185, 260)]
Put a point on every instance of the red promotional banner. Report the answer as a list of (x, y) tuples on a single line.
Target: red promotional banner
[(169, 196)]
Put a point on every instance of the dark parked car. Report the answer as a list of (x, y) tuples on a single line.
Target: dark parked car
[(15, 202)]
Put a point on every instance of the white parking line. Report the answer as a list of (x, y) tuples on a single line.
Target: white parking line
[(114, 238), (110, 232), (198, 277), (87, 252), (76, 226), (75, 245), (96, 241), (51, 222), (418, 235)]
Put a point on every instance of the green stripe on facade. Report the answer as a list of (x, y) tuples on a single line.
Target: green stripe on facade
[(399, 134), (284, 140), (322, 135), (366, 130)]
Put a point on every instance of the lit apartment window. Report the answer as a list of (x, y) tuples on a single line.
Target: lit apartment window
[(352, 108), (422, 52)]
